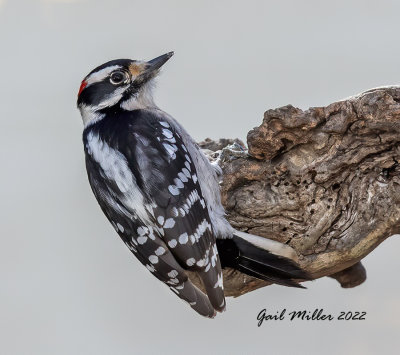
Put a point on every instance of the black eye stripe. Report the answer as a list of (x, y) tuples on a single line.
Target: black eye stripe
[(94, 94)]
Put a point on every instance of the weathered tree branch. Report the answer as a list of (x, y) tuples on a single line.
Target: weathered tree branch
[(325, 181)]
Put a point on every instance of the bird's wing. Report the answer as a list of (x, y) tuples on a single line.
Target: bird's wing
[(148, 189), (180, 212)]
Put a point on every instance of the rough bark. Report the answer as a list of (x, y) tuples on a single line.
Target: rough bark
[(325, 181)]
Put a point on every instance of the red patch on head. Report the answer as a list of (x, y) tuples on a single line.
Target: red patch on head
[(83, 85)]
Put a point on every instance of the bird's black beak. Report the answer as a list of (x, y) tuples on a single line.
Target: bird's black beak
[(145, 71), (156, 63)]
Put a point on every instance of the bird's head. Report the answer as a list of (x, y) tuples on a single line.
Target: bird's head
[(120, 83)]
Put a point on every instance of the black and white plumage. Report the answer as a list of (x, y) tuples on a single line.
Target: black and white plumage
[(160, 192)]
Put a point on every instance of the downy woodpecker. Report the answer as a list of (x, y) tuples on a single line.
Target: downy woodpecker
[(160, 192)]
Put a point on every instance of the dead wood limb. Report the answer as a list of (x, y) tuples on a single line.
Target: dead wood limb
[(325, 181)]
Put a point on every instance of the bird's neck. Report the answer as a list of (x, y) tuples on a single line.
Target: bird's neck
[(141, 100)]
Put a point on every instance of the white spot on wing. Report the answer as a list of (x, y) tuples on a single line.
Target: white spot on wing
[(164, 124), (183, 177), (213, 260), (142, 230), (175, 212), (160, 251), (183, 238), (171, 140), (173, 281), (173, 273), (169, 223), (172, 243), (171, 149), (178, 183), (167, 133), (150, 268), (173, 190), (190, 261), (200, 263), (151, 233), (153, 259), (188, 158), (219, 282), (141, 240)]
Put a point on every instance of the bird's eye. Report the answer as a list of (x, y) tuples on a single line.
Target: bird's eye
[(118, 77)]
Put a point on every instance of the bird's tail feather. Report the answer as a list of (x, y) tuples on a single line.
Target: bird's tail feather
[(262, 258), (196, 299)]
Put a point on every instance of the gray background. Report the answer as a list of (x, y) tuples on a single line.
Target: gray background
[(67, 283)]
